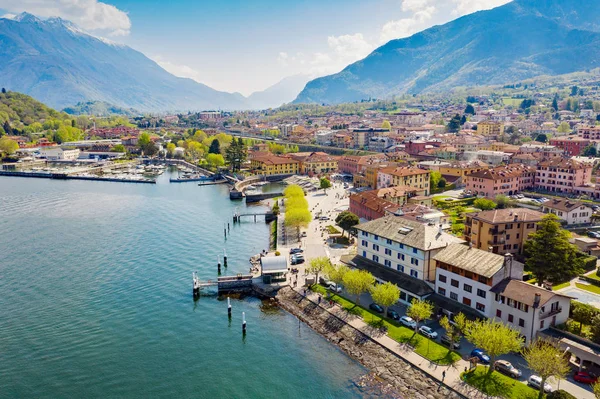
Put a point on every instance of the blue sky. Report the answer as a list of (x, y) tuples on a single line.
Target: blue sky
[(246, 46)]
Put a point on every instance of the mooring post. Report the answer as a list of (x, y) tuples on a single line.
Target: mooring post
[(228, 227), (196, 289), (228, 307), (254, 218), (244, 323), (225, 230), (224, 258), (218, 265)]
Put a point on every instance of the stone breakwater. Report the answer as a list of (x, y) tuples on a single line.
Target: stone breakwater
[(390, 376)]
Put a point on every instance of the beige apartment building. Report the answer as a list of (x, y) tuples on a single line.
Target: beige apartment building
[(490, 129), (403, 176), (502, 230)]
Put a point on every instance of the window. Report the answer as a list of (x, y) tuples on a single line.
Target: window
[(388, 242), (454, 295), (375, 247), (480, 307), (510, 318), (442, 291), (467, 288), (414, 273), (376, 238), (415, 250), (481, 293), (403, 295), (364, 254), (482, 280), (515, 246), (365, 234), (414, 261), (388, 251), (466, 301), (400, 268), (401, 246), (364, 243), (400, 256), (442, 278), (507, 237), (376, 258), (387, 263), (541, 324), (498, 313), (521, 323), (454, 283)]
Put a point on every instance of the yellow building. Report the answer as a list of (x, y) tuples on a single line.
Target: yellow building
[(315, 163), (461, 169), (502, 230), (404, 176), (490, 129), (274, 165)]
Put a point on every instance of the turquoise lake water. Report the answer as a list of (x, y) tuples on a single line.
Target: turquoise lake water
[(96, 301)]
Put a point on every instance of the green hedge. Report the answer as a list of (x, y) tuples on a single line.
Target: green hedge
[(453, 204)]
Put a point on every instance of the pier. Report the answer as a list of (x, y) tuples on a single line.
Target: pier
[(269, 216), (225, 284)]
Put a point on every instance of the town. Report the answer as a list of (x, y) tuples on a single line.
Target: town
[(436, 220)]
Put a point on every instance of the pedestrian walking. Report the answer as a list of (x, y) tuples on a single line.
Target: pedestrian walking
[(305, 292), (319, 301), (443, 375)]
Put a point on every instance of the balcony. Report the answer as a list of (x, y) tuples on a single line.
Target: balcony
[(551, 313), (495, 231), (500, 241)]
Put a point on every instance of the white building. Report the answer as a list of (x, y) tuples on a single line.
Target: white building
[(404, 246), (59, 154), (379, 143), (572, 212), (529, 308), (467, 275), (324, 137)]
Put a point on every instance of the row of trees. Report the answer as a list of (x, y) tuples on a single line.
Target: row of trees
[(296, 207)]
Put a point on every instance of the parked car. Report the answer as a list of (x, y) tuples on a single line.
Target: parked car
[(428, 332), (303, 235), (296, 251), (333, 287), (408, 322), (324, 218), (392, 314), (296, 259), (376, 308), (507, 368), (535, 381), (585, 377), (480, 354), (445, 340)]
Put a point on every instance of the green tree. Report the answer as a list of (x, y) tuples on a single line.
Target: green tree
[(595, 329), (8, 146), (463, 120), (453, 331), (385, 295), (442, 183), (419, 310), (171, 149), (347, 220), (493, 337), (215, 147), (596, 388), (546, 359), (3, 90), (293, 190), (297, 217), (541, 138), (357, 282), (386, 125), (119, 148), (336, 273), (434, 178), (236, 154), (582, 313), (590, 151), (7, 129), (484, 204), (503, 202), (215, 160), (550, 255), (194, 150), (470, 109), (324, 184), (564, 127), (317, 265), (454, 124), (555, 103)]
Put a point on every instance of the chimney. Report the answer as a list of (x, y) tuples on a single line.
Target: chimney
[(516, 217), (440, 230), (536, 301), (470, 244), (490, 249), (508, 261)]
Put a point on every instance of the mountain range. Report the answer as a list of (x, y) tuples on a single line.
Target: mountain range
[(520, 40), (61, 65)]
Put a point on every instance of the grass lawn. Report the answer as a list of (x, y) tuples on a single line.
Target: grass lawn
[(589, 288), (559, 286), (515, 102), (425, 347), (593, 276), (332, 230), (498, 384)]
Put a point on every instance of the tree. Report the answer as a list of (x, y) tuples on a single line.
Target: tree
[(555, 103), (470, 109), (419, 310), (550, 255), (297, 217), (215, 147), (194, 150), (453, 331), (118, 148), (434, 178), (324, 184), (484, 204), (582, 313), (386, 125), (346, 220), (236, 154), (564, 127), (385, 295), (215, 160), (542, 138), (317, 265), (171, 149), (357, 282), (546, 359), (503, 202), (454, 124), (595, 329), (336, 273), (293, 190), (493, 337), (442, 183), (596, 388), (3, 90), (590, 151), (7, 129), (463, 120), (8, 146)]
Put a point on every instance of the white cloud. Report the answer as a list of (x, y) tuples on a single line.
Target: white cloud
[(349, 46), (464, 7), (9, 16), (183, 71), (91, 15), (282, 59)]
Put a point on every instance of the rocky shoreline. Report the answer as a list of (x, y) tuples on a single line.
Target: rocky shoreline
[(389, 376)]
